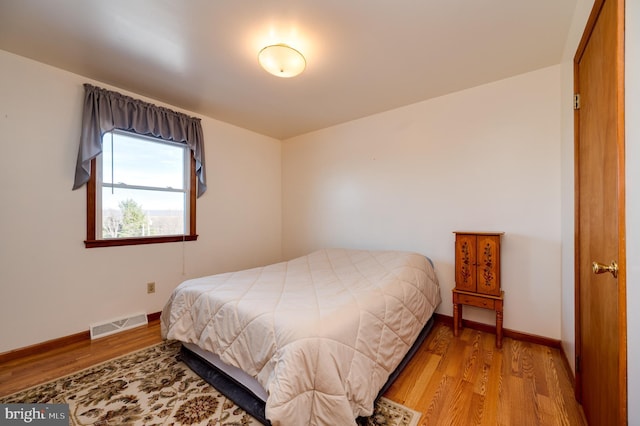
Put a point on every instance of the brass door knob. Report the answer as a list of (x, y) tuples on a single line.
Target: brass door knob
[(599, 268)]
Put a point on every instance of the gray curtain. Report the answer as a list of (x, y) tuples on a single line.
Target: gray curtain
[(105, 110)]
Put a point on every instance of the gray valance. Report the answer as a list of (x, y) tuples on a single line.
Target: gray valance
[(105, 111)]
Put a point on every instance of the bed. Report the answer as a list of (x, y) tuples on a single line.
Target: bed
[(310, 341)]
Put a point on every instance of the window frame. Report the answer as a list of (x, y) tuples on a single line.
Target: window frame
[(92, 189)]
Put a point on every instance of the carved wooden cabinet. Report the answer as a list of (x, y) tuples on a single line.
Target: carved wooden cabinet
[(478, 262), (477, 275)]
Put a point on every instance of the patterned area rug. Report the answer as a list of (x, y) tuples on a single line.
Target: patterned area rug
[(152, 387)]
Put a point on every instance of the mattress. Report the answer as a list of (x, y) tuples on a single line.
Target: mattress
[(242, 378), (321, 333)]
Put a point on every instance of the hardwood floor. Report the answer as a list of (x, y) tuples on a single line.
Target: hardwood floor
[(451, 381), (39, 368), (467, 381)]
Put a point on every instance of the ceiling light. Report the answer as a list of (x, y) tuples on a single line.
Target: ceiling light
[(282, 60)]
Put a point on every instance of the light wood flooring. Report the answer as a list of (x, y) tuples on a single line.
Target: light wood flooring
[(451, 381), (467, 381)]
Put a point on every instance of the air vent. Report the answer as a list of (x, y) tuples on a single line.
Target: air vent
[(117, 325)]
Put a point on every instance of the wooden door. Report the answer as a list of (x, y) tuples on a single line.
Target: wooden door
[(600, 225), (488, 255), (466, 264)]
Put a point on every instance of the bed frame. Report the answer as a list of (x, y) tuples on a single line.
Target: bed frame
[(248, 400)]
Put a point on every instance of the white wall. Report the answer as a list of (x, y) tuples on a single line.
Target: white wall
[(487, 158), (633, 205), (50, 285)]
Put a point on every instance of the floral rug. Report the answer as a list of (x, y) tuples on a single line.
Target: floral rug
[(152, 387)]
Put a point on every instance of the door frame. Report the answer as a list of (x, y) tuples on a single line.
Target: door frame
[(622, 281)]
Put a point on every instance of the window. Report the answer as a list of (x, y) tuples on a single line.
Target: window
[(144, 167), (143, 192)]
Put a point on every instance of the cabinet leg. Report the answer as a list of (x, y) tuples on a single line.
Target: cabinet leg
[(457, 320)]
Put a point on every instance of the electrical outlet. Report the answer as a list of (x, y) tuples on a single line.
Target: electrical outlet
[(151, 287)]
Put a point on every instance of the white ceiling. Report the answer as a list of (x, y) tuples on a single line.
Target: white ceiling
[(363, 56)]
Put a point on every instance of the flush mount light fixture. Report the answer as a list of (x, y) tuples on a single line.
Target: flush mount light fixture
[(282, 60)]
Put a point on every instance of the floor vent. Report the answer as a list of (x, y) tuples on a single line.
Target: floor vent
[(117, 325)]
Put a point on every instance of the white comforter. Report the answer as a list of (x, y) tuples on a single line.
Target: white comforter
[(321, 333)]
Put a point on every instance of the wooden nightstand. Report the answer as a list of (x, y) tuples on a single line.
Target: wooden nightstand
[(477, 267)]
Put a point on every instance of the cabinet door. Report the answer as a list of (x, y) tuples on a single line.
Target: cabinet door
[(466, 262), (488, 259)]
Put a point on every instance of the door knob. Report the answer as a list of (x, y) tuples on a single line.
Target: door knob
[(599, 268)]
